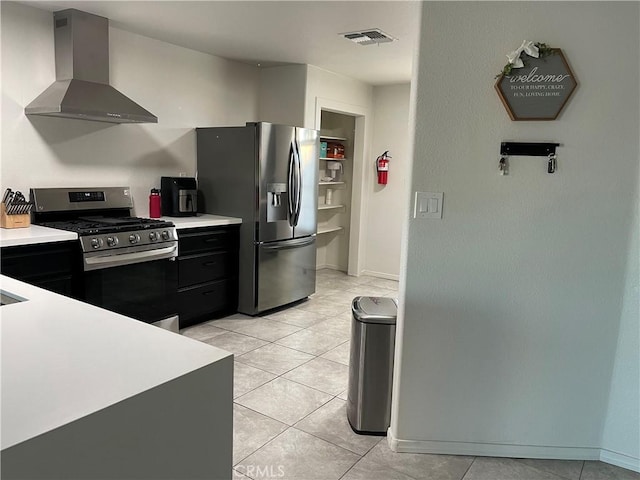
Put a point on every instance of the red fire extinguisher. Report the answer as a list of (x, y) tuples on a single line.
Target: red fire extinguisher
[(382, 167)]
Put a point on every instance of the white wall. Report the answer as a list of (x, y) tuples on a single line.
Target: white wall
[(386, 205), (621, 438), (322, 84), (282, 94), (184, 88), (512, 302)]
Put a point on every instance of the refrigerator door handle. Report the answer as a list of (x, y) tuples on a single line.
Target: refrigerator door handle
[(294, 187), (287, 244), (298, 191), (290, 181)]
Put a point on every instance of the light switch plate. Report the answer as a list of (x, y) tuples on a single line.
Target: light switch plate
[(428, 205)]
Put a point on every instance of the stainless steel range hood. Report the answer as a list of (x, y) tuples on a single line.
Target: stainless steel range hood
[(82, 89)]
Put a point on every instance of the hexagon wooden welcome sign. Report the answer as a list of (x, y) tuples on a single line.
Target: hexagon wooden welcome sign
[(539, 89)]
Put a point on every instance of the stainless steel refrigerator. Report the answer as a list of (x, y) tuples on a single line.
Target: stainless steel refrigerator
[(267, 175)]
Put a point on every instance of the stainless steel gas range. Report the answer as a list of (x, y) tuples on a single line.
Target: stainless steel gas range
[(128, 263)]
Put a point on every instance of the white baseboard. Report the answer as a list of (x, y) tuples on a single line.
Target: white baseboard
[(388, 276), (492, 449), (328, 266), (512, 451), (620, 460)]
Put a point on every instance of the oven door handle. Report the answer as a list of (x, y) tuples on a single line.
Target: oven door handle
[(107, 261)]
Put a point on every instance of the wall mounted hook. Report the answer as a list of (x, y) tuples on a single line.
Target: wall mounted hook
[(538, 149), (551, 167), (503, 165)]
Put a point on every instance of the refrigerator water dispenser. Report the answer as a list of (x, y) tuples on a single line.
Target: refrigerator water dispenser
[(277, 207)]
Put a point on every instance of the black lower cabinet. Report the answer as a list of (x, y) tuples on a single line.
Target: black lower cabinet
[(52, 266), (207, 273)]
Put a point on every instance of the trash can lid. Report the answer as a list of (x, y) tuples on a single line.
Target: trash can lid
[(375, 310)]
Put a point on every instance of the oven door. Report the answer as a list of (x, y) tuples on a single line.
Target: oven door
[(145, 290)]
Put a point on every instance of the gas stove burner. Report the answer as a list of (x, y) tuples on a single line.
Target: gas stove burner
[(135, 222), (99, 225), (113, 221)]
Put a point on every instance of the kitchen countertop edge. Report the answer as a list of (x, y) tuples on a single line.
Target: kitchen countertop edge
[(13, 237), (201, 221), (63, 359)]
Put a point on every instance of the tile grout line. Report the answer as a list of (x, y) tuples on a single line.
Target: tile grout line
[(309, 386), (317, 355), (302, 431), (260, 413), (333, 397), (468, 468), (390, 467), (362, 457), (294, 381), (284, 346), (258, 338), (283, 373), (226, 329), (350, 468), (547, 472), (581, 470), (328, 441), (280, 375), (276, 375), (320, 438), (384, 437), (249, 391), (264, 444), (297, 350)]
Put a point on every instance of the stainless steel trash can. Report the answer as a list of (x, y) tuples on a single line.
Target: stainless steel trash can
[(373, 331)]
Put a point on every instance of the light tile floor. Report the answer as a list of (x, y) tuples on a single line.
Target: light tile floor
[(290, 390)]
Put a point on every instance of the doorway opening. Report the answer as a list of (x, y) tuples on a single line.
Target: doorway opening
[(340, 209)]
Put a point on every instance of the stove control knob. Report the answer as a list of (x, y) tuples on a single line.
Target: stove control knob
[(134, 238), (166, 235), (96, 242), (112, 241), (154, 236)]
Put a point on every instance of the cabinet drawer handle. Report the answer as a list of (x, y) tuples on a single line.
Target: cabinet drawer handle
[(210, 292), (209, 264), (211, 240)]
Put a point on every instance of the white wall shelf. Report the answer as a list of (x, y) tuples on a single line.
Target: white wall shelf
[(334, 159), (322, 229), (331, 183), (329, 207), (326, 137)]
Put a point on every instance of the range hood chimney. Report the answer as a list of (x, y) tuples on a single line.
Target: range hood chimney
[(82, 89)]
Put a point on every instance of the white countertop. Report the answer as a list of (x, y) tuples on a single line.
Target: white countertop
[(10, 237), (63, 359), (202, 220)]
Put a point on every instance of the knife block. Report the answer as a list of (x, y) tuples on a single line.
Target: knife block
[(13, 221)]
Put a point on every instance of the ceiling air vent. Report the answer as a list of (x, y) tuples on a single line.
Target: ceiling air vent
[(372, 36)]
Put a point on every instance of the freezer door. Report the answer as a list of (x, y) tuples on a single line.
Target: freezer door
[(307, 143), (286, 272), (275, 177)]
